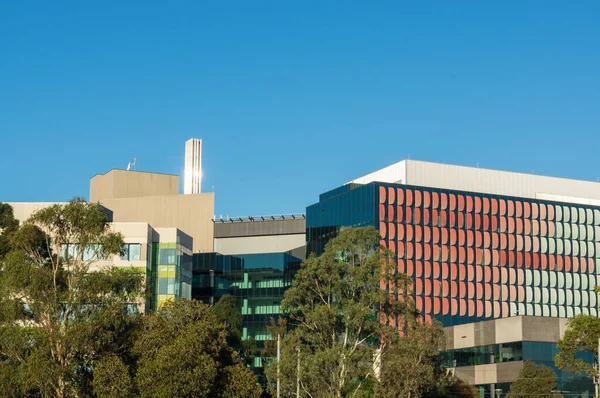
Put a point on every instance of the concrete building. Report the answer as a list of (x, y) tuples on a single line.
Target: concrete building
[(491, 353), (479, 244), (135, 196), (23, 210), (161, 228)]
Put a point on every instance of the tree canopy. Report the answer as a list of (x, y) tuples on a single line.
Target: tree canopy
[(411, 366), (582, 334), (182, 352), (58, 316), (535, 381), (8, 224), (227, 313), (339, 304)]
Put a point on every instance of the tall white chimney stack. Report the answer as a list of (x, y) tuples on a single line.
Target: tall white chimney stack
[(193, 166)]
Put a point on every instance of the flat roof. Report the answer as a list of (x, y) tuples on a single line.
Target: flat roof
[(134, 171), (484, 180)]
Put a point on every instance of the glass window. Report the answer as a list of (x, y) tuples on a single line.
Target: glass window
[(131, 251), (125, 252), (92, 252), (135, 251), (171, 286), (162, 285), (167, 256)]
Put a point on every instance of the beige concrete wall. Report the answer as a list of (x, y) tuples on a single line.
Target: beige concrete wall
[(509, 329), (541, 329), (466, 374), (505, 330), (129, 184), (24, 210), (259, 244), (505, 372), (485, 374), (191, 214), (136, 232), (464, 335), (562, 326)]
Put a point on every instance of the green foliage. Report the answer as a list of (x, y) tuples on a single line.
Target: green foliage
[(227, 313), (112, 378), (241, 382), (336, 304), (410, 368), (582, 334), (58, 317), (452, 387), (535, 381), (8, 224), (182, 351), (67, 329)]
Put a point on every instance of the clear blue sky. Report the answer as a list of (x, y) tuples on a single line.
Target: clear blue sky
[(293, 98)]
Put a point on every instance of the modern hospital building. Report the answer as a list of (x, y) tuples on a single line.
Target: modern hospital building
[(501, 259)]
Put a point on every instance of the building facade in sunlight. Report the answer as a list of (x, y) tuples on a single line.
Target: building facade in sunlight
[(479, 245)]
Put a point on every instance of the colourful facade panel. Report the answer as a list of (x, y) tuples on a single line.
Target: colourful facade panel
[(475, 256)]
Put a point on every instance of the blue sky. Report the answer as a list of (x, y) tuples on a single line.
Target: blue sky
[(293, 98)]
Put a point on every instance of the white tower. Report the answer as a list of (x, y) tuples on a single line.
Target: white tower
[(193, 166)]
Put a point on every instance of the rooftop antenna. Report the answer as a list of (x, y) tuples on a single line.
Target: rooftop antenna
[(131, 164)]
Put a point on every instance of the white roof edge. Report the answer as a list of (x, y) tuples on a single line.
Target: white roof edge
[(567, 199), (483, 180), (484, 169), (394, 173)]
